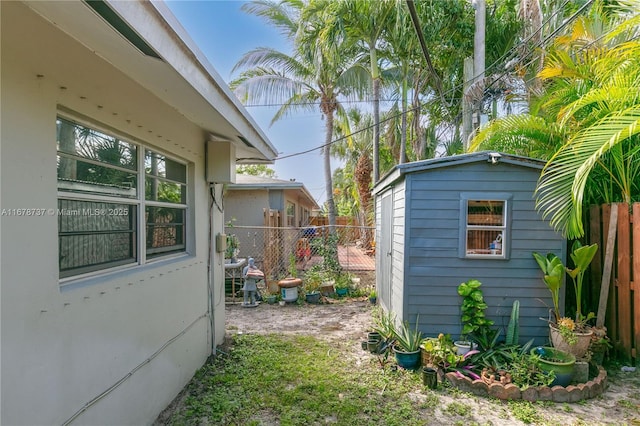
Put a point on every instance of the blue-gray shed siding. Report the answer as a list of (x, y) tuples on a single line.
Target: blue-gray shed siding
[(432, 268)]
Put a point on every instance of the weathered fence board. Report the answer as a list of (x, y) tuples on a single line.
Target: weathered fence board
[(623, 278), (635, 275), (623, 307)]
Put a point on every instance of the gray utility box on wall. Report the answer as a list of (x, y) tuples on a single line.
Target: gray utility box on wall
[(220, 162)]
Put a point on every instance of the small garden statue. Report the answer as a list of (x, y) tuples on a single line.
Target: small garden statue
[(251, 275)]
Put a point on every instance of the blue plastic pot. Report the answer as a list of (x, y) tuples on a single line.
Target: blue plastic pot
[(407, 360)]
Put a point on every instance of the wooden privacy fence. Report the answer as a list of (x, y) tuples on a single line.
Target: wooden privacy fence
[(623, 302)]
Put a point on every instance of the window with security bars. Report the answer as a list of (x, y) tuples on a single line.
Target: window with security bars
[(104, 219), (486, 227)]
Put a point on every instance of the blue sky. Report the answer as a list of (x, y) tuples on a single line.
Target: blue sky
[(224, 33)]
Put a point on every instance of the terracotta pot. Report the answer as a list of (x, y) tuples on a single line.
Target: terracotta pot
[(579, 349)]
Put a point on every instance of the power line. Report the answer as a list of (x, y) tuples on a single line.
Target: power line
[(453, 89)]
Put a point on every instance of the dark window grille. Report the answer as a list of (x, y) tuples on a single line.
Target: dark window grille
[(95, 235), (99, 176)]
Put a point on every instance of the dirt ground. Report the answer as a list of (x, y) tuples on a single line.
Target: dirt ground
[(349, 321)]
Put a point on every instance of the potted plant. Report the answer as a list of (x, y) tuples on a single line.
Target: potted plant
[(599, 346), (407, 345), (342, 284), (559, 362), (312, 280), (553, 273), (290, 285), (473, 316), (373, 297), (567, 334), (383, 334), (582, 257), (271, 298), (439, 352), (231, 252)]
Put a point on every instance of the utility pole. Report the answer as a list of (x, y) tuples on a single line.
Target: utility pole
[(479, 52), (467, 110), (474, 75)]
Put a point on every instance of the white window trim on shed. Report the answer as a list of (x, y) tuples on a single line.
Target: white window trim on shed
[(504, 229)]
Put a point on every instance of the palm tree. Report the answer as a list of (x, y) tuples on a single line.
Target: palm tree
[(319, 73), (403, 51), (355, 129), (363, 24), (586, 122)]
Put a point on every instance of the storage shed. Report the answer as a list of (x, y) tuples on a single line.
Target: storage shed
[(444, 221)]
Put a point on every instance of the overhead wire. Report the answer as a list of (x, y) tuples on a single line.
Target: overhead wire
[(460, 85)]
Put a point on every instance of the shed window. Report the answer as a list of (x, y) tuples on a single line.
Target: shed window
[(485, 227), (104, 218)]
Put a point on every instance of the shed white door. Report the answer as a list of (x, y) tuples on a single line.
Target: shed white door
[(385, 251)]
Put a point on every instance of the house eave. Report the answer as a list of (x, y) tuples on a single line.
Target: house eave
[(182, 77), (284, 186)]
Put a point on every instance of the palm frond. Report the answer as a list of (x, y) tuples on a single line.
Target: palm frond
[(560, 190)]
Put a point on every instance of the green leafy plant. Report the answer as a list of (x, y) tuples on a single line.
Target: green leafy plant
[(384, 323), (408, 338), (343, 281), (293, 268), (553, 271), (522, 366), (440, 351), (473, 307), (328, 249), (232, 246), (581, 257), (513, 329), (313, 278), (567, 329)]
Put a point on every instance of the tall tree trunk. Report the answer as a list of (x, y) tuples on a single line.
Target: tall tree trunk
[(362, 177), (331, 206), (403, 136), (376, 130)]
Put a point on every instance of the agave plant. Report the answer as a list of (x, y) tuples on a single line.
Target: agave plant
[(408, 338)]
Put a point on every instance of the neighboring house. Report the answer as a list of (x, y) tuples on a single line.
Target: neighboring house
[(111, 119), (246, 201), (265, 214), (447, 220)]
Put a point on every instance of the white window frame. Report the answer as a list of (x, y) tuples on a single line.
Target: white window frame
[(291, 218), (140, 250), (504, 229)]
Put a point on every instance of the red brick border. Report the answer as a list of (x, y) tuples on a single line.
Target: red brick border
[(571, 393)]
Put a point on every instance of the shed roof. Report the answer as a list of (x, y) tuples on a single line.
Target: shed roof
[(455, 160)]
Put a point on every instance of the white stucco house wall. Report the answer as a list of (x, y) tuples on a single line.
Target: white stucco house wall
[(116, 139)]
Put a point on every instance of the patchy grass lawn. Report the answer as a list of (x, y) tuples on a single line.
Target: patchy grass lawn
[(298, 380), (303, 365)]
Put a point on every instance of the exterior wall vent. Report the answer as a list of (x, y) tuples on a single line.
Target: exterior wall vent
[(112, 18)]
